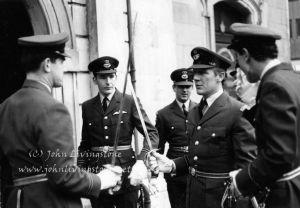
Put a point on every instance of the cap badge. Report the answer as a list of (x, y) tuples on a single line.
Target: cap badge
[(196, 56), (212, 63), (106, 64), (184, 75)]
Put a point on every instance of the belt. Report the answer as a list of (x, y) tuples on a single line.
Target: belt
[(30, 180), (110, 148), (19, 182), (197, 173), (180, 149), (290, 175)]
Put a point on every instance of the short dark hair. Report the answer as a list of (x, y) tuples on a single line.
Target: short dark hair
[(31, 58), (259, 48)]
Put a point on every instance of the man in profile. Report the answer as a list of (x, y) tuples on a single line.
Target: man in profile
[(33, 124)]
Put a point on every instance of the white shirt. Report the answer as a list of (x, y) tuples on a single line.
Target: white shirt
[(109, 97), (187, 104), (211, 99), (271, 64)]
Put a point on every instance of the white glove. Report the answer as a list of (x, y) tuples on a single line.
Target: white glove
[(110, 176), (138, 173), (160, 162), (153, 186), (234, 187)]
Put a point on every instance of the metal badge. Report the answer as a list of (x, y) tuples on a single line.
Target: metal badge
[(106, 64), (196, 56), (184, 75)]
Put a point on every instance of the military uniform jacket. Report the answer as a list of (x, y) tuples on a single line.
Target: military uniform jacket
[(221, 141), (171, 124), (277, 126), (99, 129), (33, 126)]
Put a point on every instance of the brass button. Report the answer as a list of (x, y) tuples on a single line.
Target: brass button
[(105, 117), (106, 137), (195, 158), (197, 142), (172, 127), (105, 127), (198, 128), (193, 171), (90, 124), (213, 135), (105, 149)]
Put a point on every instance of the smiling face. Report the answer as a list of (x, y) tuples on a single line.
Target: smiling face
[(208, 81), (182, 92), (106, 83)]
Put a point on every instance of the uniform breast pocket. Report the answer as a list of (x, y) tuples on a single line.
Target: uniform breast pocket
[(93, 124), (124, 120), (217, 141)]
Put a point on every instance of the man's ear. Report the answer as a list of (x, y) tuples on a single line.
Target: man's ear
[(46, 64), (246, 54), (221, 76), (173, 87), (94, 79)]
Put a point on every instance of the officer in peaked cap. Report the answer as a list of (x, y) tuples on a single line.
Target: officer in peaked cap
[(251, 35), (172, 126), (33, 123), (220, 139), (42, 44), (100, 119), (104, 65), (182, 77), (277, 120), (204, 58)]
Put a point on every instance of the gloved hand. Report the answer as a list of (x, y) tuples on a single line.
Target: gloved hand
[(233, 186), (153, 186), (110, 176), (138, 173), (160, 162)]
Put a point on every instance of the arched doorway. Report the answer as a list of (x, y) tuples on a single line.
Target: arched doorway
[(226, 13), (14, 23)]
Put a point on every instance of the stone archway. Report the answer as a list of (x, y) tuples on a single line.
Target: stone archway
[(50, 16), (251, 8)]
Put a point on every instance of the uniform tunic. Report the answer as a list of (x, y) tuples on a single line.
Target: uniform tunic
[(221, 141), (99, 129), (36, 137), (277, 125), (171, 124)]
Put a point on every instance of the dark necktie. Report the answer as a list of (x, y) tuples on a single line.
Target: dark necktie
[(184, 110), (104, 104), (202, 106)]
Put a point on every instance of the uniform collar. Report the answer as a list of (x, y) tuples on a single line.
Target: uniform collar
[(109, 97), (187, 104), (211, 99), (48, 88), (271, 64)]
